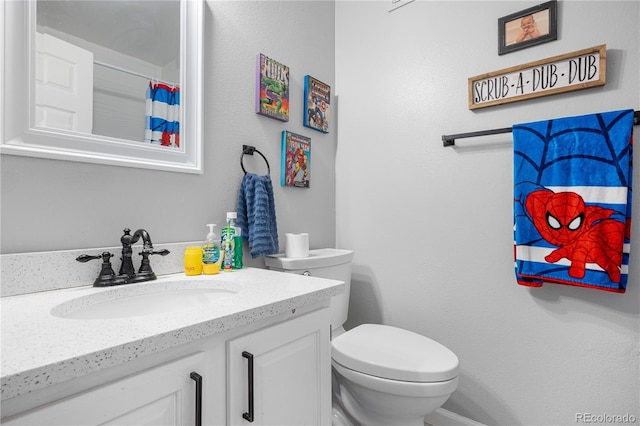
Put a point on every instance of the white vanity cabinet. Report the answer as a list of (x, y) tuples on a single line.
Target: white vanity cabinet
[(275, 372), (137, 370), (169, 394), (281, 375)]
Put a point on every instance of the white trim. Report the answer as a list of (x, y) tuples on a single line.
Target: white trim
[(20, 136), (442, 417)]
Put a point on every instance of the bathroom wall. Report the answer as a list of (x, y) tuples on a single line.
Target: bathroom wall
[(432, 227), (56, 205)]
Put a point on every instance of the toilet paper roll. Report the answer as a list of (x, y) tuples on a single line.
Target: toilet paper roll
[(296, 245)]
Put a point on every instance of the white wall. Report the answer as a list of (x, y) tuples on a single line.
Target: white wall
[(432, 227), (55, 205)]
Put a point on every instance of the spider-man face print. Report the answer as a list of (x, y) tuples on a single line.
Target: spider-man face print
[(558, 217), (583, 234)]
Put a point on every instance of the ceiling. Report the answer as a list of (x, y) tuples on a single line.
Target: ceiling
[(149, 30)]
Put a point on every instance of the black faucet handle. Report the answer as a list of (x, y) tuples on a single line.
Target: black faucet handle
[(145, 267), (85, 258), (145, 252), (106, 276), (105, 256)]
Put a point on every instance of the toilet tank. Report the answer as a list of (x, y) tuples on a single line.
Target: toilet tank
[(329, 263)]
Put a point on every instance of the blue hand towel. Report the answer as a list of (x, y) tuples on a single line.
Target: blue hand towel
[(572, 200), (257, 215)]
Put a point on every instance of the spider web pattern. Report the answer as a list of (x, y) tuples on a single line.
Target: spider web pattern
[(591, 155), (599, 145)]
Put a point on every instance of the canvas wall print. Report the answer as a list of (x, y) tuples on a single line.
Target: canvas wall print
[(272, 88), (317, 102), (296, 160)]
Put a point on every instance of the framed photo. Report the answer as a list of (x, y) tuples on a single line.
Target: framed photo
[(528, 27)]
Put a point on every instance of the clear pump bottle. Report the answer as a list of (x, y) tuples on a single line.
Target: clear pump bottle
[(211, 256)]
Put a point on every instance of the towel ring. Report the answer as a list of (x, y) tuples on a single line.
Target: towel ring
[(248, 149)]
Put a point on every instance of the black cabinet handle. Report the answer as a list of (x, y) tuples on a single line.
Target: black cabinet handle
[(249, 415), (198, 379)]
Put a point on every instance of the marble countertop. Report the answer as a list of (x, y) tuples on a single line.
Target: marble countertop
[(41, 348)]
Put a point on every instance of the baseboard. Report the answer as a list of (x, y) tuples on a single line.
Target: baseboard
[(442, 417)]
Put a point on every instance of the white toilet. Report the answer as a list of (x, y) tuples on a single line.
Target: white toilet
[(382, 375)]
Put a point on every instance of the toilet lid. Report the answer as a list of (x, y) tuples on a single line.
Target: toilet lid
[(394, 353)]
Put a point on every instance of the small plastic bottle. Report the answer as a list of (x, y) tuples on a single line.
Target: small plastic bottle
[(237, 249), (227, 241), (193, 261), (211, 257)]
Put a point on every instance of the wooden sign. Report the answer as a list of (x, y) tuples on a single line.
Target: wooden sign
[(572, 71)]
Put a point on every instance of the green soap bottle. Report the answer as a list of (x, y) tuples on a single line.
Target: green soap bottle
[(237, 249), (227, 241)]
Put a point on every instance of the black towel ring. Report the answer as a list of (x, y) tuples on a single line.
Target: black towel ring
[(248, 149)]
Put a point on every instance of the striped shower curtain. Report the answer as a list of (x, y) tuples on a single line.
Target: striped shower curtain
[(163, 115)]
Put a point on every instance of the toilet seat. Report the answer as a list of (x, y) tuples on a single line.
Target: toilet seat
[(397, 387), (394, 353)]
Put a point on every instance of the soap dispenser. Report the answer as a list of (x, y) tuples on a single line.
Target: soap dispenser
[(211, 257)]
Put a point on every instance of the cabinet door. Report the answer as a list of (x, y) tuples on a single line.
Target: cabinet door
[(291, 374), (165, 395)]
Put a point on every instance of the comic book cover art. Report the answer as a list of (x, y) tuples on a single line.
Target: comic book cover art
[(317, 100), (296, 153), (272, 88)]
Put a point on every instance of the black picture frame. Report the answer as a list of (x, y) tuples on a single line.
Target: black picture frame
[(541, 19)]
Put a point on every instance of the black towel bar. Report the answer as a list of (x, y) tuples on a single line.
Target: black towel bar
[(249, 150), (450, 140)]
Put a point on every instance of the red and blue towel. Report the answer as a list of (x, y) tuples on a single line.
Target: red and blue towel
[(162, 119), (572, 200)]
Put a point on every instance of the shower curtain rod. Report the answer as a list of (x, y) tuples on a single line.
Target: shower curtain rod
[(450, 140), (137, 74)]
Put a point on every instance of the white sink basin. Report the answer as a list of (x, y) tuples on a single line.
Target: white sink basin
[(144, 299)]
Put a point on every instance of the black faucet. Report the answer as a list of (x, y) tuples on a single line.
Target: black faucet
[(127, 273), (127, 240)]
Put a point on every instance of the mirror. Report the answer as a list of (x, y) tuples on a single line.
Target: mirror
[(111, 82)]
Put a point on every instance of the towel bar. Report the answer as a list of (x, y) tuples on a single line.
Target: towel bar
[(249, 150), (450, 140)]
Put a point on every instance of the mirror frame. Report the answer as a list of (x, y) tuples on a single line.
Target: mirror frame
[(20, 135)]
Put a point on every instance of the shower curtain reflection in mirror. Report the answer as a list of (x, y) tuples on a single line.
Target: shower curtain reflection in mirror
[(162, 115)]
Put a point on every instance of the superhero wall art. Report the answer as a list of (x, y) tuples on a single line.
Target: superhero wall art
[(572, 200)]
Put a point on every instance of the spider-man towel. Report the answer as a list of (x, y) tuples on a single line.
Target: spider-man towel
[(572, 200)]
